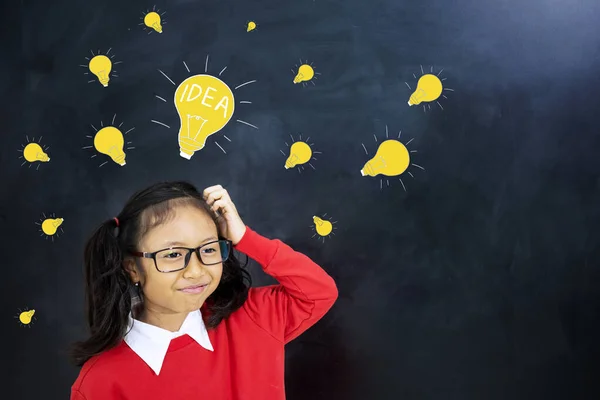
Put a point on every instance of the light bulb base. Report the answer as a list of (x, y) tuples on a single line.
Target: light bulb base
[(185, 155), (362, 172)]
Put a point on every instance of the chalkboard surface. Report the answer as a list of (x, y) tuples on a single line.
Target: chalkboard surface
[(468, 266)]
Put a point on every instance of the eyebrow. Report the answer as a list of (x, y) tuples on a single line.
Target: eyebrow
[(177, 243)]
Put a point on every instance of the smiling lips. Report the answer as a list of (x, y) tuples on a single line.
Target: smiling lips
[(194, 289)]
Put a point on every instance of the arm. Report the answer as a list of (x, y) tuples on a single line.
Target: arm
[(76, 395), (305, 293)]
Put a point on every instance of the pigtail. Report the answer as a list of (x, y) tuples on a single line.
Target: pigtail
[(107, 293)]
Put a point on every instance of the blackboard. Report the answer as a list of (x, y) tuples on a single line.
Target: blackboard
[(472, 274)]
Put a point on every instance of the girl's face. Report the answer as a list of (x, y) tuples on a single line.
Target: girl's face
[(164, 301)]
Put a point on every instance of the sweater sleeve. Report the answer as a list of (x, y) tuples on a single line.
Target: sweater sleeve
[(304, 294)]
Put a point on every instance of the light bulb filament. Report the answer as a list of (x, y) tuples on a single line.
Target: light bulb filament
[(195, 118)]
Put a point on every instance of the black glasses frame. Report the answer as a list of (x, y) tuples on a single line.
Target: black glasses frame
[(188, 256)]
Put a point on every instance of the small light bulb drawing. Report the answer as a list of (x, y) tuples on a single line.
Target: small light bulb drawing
[(391, 159), (205, 104), (250, 26), (110, 140), (33, 152), (49, 226), (323, 227), (300, 153), (26, 318), (101, 65), (153, 20), (305, 73), (429, 89)]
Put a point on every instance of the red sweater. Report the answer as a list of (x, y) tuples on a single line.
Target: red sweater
[(248, 358)]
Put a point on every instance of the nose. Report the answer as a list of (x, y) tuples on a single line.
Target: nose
[(195, 266)]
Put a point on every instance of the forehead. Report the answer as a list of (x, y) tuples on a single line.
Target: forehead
[(185, 224)]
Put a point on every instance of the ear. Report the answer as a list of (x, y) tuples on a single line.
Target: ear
[(130, 267)]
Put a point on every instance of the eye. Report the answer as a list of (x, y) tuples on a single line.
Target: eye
[(210, 249), (171, 254)]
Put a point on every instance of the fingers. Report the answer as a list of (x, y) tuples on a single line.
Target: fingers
[(220, 207), (218, 200), (218, 194), (210, 190)]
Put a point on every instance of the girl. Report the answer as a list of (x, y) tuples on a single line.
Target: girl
[(170, 309)]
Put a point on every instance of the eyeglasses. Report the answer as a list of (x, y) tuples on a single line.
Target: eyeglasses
[(177, 258)]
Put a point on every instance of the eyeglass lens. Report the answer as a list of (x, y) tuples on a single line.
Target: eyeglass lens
[(176, 258)]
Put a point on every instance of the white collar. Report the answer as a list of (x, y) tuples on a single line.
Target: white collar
[(151, 343)]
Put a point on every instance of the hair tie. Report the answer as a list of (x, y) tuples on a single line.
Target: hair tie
[(116, 221)]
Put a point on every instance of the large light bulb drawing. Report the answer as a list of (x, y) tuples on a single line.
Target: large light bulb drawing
[(109, 140), (33, 152), (392, 159), (429, 88), (205, 105), (101, 66), (300, 153), (152, 20)]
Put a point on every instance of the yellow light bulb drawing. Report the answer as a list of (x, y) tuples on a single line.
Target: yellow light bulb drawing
[(205, 104), (429, 88), (109, 140), (300, 153), (251, 26), (26, 316), (392, 159), (322, 226), (305, 73), (33, 152), (100, 65), (50, 225), (152, 20)]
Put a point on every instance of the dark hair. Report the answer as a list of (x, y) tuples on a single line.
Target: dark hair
[(108, 287)]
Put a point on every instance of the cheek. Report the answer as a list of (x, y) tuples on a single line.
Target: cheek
[(158, 286), (216, 272)]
